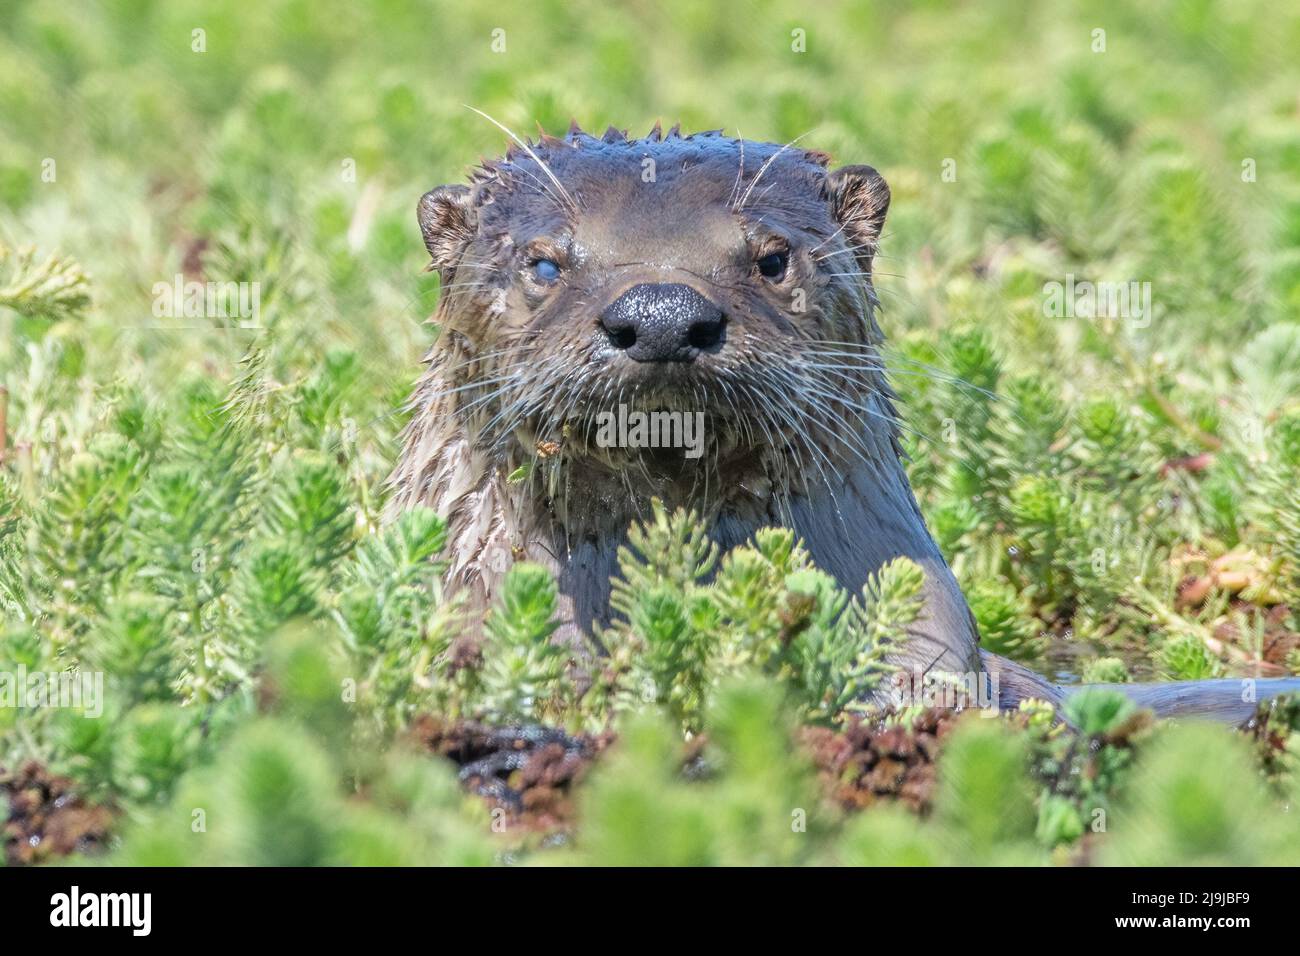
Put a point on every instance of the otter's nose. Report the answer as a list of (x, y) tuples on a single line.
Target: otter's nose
[(663, 322)]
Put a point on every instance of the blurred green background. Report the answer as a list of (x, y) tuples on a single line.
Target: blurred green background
[(158, 146)]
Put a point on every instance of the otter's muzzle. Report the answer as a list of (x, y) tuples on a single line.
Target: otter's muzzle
[(663, 322)]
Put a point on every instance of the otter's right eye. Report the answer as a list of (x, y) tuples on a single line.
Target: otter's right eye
[(773, 266), (546, 270)]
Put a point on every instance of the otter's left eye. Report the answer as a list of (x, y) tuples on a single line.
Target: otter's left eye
[(546, 270), (773, 266)]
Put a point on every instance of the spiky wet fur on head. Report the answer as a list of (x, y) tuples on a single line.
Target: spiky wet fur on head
[(796, 392)]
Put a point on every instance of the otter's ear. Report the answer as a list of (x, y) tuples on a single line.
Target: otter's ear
[(447, 223), (859, 198)]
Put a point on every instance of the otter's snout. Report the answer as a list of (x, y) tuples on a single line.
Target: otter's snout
[(663, 322)]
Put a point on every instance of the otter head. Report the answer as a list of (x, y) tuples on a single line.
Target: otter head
[(686, 316)]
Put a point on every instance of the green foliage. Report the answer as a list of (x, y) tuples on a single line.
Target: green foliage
[(391, 620), (134, 648), (51, 288), (272, 799), (1185, 657), (1197, 799), (79, 531), (1281, 514), (759, 808), (1079, 771), (309, 510), (1004, 622), (983, 813), (522, 667), (1105, 670), (766, 611), (1191, 799), (277, 793), (1095, 712)]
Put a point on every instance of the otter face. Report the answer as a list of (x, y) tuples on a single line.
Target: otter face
[(685, 274)]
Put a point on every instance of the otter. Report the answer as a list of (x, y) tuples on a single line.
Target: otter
[(680, 275)]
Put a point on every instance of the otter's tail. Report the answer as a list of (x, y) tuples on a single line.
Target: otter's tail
[(1231, 700)]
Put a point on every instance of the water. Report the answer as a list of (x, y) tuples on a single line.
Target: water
[(1065, 657)]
